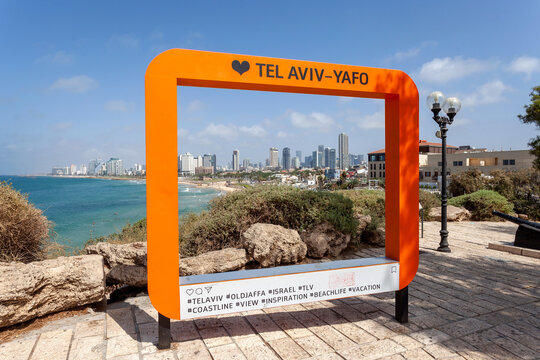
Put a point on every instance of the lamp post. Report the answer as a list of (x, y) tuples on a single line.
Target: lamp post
[(451, 107)]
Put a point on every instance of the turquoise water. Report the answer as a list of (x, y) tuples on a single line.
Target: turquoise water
[(84, 208)]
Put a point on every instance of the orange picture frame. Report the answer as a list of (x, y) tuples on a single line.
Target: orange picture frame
[(180, 67)]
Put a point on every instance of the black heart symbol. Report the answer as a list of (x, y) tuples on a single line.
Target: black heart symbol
[(240, 67)]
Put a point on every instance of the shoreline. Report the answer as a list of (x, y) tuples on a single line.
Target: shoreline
[(220, 185)]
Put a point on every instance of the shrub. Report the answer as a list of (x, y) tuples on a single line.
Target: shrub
[(428, 201), (230, 215), (481, 203), (466, 182), (24, 230), (369, 202), (129, 234)]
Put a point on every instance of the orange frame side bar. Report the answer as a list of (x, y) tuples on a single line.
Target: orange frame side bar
[(179, 67)]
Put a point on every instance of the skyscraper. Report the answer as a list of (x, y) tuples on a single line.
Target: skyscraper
[(115, 167), (274, 157), (286, 158), (213, 162), (326, 162), (207, 160), (332, 159), (245, 163), (315, 160), (343, 149), (236, 160), (320, 161), (187, 165), (299, 155)]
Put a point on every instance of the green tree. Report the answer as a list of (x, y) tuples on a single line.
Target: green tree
[(532, 115)]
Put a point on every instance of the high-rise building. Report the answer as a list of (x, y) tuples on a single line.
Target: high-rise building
[(213, 163), (295, 162), (332, 159), (93, 166), (320, 150), (84, 170), (245, 163), (207, 160), (236, 160), (187, 165), (286, 158), (343, 148), (326, 162), (299, 155), (274, 163), (115, 167), (315, 160), (307, 161)]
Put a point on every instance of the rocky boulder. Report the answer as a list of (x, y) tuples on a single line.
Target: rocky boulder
[(324, 239), (43, 287), (454, 213), (124, 263), (229, 259), (376, 237), (363, 222), (271, 245)]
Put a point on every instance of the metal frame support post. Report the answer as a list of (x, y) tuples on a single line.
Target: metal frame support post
[(164, 332), (402, 305)]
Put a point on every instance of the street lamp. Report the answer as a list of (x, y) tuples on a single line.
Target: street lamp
[(451, 107)]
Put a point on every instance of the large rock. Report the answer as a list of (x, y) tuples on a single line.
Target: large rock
[(363, 222), (453, 213), (375, 237), (42, 287), (124, 263), (324, 239), (229, 259), (271, 245)]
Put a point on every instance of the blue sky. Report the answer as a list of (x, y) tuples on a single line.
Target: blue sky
[(72, 74)]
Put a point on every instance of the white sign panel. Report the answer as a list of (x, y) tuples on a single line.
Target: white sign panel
[(243, 294)]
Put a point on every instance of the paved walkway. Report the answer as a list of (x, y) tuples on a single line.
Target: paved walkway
[(473, 303)]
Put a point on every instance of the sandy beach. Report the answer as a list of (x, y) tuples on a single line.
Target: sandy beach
[(218, 185)]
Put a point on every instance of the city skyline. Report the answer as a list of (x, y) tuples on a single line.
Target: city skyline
[(74, 91)]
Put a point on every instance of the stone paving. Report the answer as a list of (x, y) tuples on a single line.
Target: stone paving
[(474, 303)]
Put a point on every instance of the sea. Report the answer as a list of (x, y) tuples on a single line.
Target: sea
[(84, 208)]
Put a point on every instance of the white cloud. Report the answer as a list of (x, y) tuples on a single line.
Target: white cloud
[(447, 69), (75, 84), (370, 121), (118, 106), (488, 93), (254, 130), (125, 40), (195, 105), (183, 133), (403, 55), (526, 65), (282, 134), (344, 99), (315, 120), (59, 58), (220, 130)]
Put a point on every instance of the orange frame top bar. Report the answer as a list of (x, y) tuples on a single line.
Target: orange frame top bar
[(179, 67)]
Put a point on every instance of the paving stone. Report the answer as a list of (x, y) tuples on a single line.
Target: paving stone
[(227, 352), (148, 334), (183, 330), (291, 326), (516, 348), (19, 349), (145, 314), (314, 346), (53, 345), (374, 350), (355, 333), (375, 329), (237, 327), (90, 327), (464, 327), (254, 348), (215, 336), (519, 336), (87, 348), (333, 337), (191, 350), (407, 342), (497, 352), (120, 322), (162, 355), (440, 351), (416, 354), (121, 345), (287, 349), (265, 327), (330, 356), (430, 336)]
